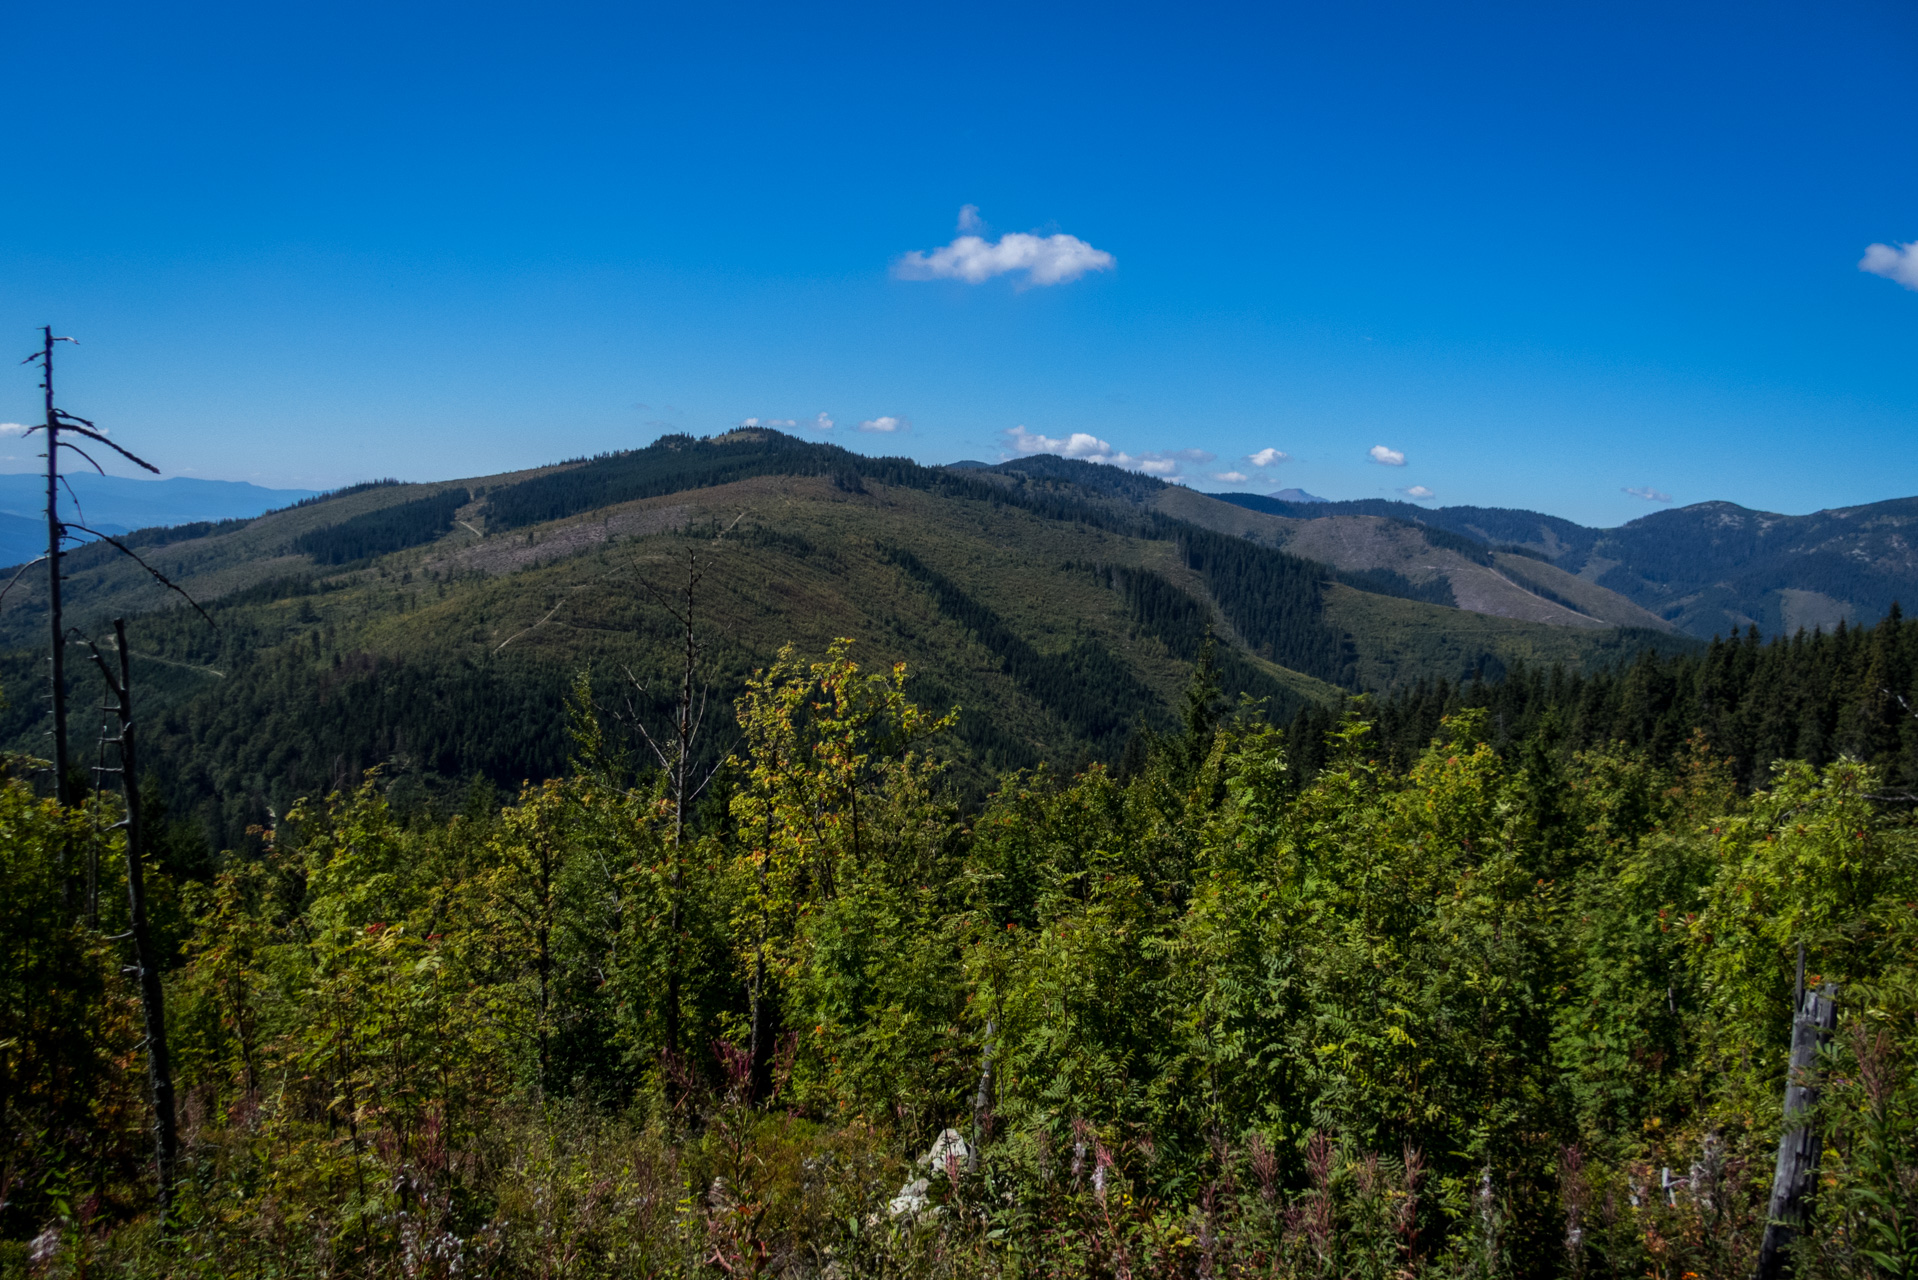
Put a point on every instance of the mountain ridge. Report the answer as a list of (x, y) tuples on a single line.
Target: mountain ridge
[(1709, 568), (436, 627)]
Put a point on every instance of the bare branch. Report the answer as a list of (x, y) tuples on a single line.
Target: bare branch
[(16, 577), (113, 686), (76, 497), (664, 763), (89, 457), (134, 458), (164, 581)]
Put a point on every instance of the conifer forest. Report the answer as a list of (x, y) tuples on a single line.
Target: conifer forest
[(1486, 978)]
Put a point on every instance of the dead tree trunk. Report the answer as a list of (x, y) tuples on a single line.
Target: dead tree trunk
[(982, 1100), (146, 966), (760, 1050), (1796, 1179), (56, 623), (59, 420), (674, 750)]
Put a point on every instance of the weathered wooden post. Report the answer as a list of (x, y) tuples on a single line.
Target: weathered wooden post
[(1796, 1180), (982, 1101)]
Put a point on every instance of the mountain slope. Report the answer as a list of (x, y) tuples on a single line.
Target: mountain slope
[(437, 627), (1713, 568), (1473, 577)]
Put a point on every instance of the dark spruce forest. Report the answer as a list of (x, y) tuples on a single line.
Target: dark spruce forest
[(744, 856)]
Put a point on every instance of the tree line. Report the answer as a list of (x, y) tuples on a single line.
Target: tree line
[(1492, 1006)]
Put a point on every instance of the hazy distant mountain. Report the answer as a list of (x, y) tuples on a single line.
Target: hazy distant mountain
[(114, 505), (1296, 495), (1710, 569)]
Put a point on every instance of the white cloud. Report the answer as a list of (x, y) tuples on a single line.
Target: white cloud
[(767, 422), (1385, 457), (822, 422), (1164, 463), (14, 428), (1267, 457), (1231, 477), (886, 424), (1418, 493), (1054, 259), (1077, 445), (1648, 494), (1899, 263)]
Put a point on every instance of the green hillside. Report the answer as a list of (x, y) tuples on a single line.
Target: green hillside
[(433, 628)]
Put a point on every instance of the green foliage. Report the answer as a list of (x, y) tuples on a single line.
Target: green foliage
[(389, 529), (1095, 693), (1506, 1009), (1814, 698), (1390, 582)]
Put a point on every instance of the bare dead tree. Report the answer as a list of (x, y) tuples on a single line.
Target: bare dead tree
[(674, 749), (146, 967), (57, 421)]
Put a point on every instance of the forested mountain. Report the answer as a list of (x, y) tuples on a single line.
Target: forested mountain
[(1254, 915), (1713, 568), (432, 627)]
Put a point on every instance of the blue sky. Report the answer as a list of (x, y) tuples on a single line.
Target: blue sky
[(1545, 253)]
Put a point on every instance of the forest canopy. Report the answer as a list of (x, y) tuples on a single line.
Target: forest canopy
[(1455, 990)]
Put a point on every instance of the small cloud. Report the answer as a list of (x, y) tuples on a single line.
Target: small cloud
[(14, 428), (1231, 477), (1385, 457), (1164, 463), (1418, 493), (1055, 259), (1649, 495), (1077, 445), (886, 425), (1899, 263), (822, 423), (1267, 457), (767, 422)]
